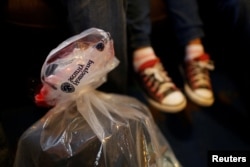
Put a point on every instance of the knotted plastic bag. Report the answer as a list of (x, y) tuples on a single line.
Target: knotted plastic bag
[(86, 127)]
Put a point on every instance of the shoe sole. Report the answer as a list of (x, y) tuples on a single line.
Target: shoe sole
[(197, 99), (167, 109)]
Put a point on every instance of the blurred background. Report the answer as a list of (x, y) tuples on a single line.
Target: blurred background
[(29, 31)]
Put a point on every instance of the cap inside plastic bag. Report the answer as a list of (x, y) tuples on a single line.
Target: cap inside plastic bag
[(80, 63)]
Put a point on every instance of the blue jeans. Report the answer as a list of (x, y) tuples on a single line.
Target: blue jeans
[(124, 19), (190, 18)]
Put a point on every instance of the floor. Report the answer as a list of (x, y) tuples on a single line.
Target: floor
[(191, 133)]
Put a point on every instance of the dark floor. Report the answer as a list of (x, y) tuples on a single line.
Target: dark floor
[(191, 133)]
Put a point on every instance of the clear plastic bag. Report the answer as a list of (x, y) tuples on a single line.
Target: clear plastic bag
[(87, 127)]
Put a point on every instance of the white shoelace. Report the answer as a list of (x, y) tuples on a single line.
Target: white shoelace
[(161, 76), (200, 77)]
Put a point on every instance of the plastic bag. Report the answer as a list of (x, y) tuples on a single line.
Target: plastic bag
[(87, 127)]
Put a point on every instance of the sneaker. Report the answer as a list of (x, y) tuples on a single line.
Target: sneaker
[(197, 80), (159, 89)]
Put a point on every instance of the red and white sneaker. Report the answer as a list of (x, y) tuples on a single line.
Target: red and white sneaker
[(160, 91), (197, 80)]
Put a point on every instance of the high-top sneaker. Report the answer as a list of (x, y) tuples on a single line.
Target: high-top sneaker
[(159, 89), (197, 80)]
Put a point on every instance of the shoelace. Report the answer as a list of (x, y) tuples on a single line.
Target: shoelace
[(160, 78), (198, 72)]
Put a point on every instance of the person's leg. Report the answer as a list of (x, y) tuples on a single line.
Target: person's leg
[(184, 16), (138, 23), (188, 26), (110, 16), (158, 88)]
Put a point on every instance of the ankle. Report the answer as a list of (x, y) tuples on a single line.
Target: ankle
[(193, 50), (144, 56)]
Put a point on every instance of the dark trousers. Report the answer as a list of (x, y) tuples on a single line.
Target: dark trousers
[(190, 18)]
